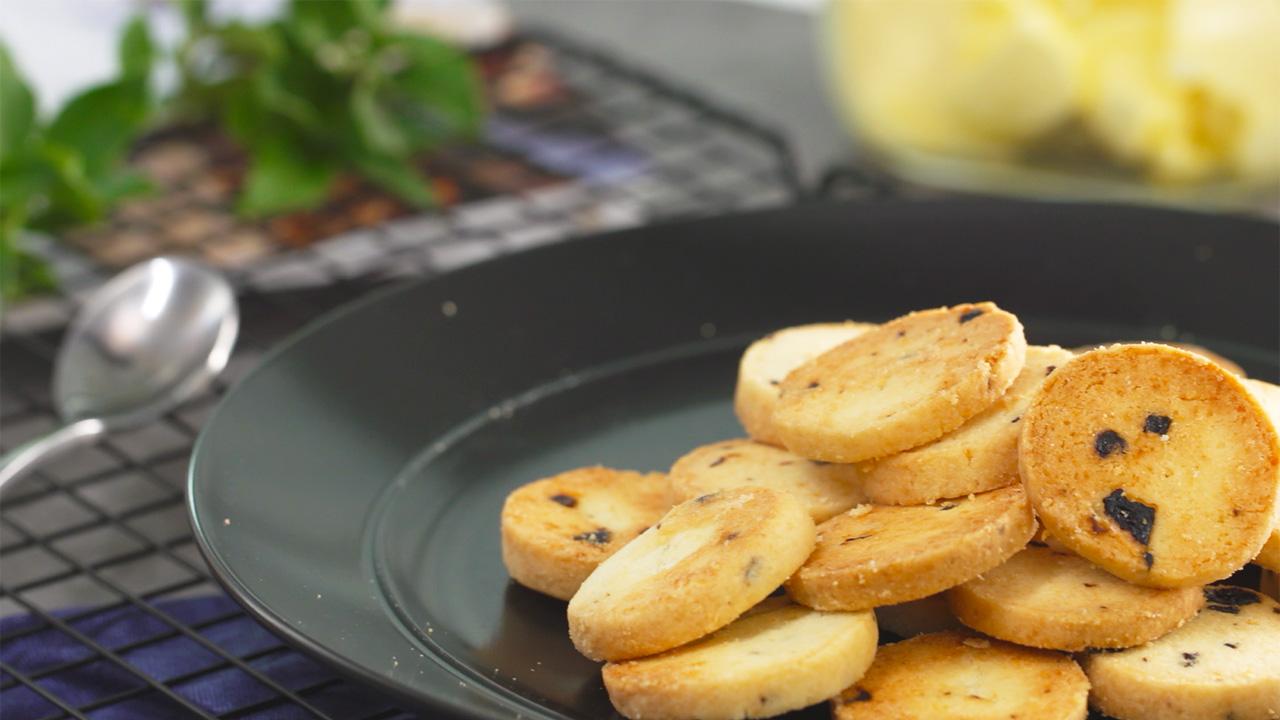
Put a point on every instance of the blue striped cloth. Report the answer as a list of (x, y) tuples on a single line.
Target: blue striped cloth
[(191, 671)]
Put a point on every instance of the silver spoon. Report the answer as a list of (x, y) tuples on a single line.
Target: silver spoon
[(148, 339)]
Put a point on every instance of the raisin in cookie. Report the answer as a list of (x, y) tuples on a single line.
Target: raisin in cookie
[(1153, 463), (878, 555), (960, 676), (918, 617), (978, 456), (555, 531), (1059, 601), (899, 385), (776, 658), (826, 489), (768, 360), (703, 564), (1224, 663)]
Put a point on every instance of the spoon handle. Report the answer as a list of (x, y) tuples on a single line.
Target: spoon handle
[(17, 462)]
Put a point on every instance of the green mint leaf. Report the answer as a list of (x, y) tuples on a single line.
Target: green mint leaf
[(284, 176), (137, 52), (21, 273), (195, 13), (24, 177), (375, 126), (332, 19), (17, 108), (440, 87), (73, 199), (274, 95), (398, 177), (101, 123), (120, 185)]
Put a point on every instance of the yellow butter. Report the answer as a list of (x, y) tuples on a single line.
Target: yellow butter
[(1180, 90), (972, 77)]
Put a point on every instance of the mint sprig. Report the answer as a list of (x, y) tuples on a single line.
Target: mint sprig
[(69, 170)]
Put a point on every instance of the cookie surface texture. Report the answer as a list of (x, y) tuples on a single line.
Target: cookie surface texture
[(1221, 664), (1153, 463), (826, 489), (776, 658), (702, 565), (1055, 600), (978, 456), (767, 362), (902, 384), (556, 530), (1225, 362), (960, 676), (877, 555)]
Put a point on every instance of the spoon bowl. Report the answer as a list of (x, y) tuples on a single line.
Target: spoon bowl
[(148, 339)]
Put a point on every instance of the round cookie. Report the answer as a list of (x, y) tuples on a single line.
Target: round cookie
[(1224, 663), (1269, 396), (768, 360), (978, 456), (899, 385), (1222, 360), (876, 555), (701, 566), (1059, 601), (918, 617), (1153, 463), (825, 489), (776, 658), (555, 531), (958, 676)]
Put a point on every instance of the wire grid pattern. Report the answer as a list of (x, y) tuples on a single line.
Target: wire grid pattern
[(104, 530)]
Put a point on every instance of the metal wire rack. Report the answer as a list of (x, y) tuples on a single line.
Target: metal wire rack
[(106, 608)]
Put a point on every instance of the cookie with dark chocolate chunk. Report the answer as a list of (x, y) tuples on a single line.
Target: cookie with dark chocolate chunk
[(877, 555), (776, 658), (900, 385), (978, 456), (706, 562), (1153, 463), (1059, 601), (770, 359), (826, 489), (1218, 665), (556, 530), (961, 675)]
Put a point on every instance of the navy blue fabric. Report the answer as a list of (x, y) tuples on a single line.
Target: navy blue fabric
[(153, 648)]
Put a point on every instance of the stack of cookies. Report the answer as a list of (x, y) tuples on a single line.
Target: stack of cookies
[(1048, 529)]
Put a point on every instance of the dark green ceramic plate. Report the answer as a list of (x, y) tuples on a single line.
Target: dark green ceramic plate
[(347, 493)]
